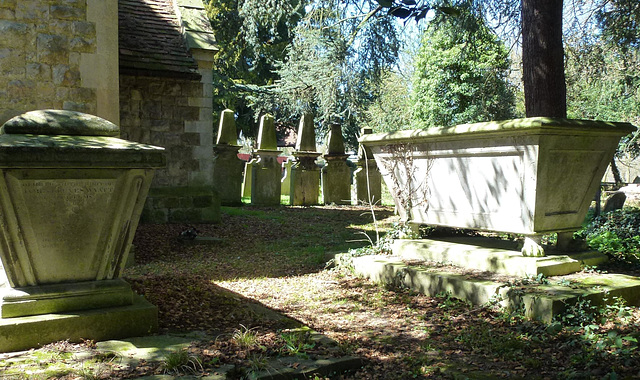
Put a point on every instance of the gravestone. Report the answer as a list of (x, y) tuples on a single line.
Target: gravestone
[(632, 191), (336, 175), (247, 179), (227, 167), (368, 177), (71, 194), (266, 171), (305, 174), (614, 202), (285, 182)]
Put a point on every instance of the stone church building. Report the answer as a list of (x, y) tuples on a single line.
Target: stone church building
[(145, 65)]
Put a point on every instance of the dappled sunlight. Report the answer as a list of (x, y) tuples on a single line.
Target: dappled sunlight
[(257, 242), (269, 282)]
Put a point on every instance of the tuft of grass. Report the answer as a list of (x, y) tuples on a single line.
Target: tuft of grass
[(181, 361), (297, 343), (245, 337), (257, 362)]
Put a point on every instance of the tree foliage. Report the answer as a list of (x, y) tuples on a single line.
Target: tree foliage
[(603, 62), (252, 36), (461, 73), (391, 108), (620, 22), (334, 57), (603, 83), (334, 64)]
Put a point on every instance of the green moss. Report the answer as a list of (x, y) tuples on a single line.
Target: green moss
[(524, 125), (153, 216), (182, 191), (185, 216), (202, 201)]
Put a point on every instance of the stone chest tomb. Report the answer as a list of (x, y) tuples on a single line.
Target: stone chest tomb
[(525, 176), (71, 195)]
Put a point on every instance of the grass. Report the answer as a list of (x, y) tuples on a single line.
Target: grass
[(297, 343), (181, 362), (245, 337), (240, 211), (387, 199), (256, 242)]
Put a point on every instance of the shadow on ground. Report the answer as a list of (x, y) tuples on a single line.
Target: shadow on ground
[(254, 242)]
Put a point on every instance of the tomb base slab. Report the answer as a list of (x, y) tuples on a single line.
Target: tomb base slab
[(64, 297), (137, 319)]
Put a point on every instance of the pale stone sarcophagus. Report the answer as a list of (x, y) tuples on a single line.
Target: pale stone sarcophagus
[(526, 176)]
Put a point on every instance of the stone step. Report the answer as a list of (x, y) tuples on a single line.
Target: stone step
[(541, 301), (21, 333), (494, 255)]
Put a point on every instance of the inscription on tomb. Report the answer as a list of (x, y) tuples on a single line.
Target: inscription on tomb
[(67, 218), (70, 190)]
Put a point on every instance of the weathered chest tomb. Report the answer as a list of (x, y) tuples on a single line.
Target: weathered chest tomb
[(525, 176), (71, 194)]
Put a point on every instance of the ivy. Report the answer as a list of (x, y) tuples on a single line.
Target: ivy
[(617, 234)]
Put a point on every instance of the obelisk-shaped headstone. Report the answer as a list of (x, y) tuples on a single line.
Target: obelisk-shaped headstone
[(266, 173), (227, 167), (305, 174)]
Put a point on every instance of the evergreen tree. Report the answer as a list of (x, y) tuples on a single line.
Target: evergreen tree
[(602, 69), (324, 73), (461, 73), (252, 37), (391, 108)]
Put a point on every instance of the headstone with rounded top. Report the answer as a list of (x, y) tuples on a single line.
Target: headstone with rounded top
[(614, 202)]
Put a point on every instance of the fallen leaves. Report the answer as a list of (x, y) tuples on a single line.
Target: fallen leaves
[(270, 258)]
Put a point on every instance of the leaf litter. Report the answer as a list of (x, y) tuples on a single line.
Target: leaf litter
[(268, 275)]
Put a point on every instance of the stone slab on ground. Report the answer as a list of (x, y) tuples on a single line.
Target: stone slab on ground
[(493, 255), (545, 301), (128, 353), (282, 369), (156, 348), (149, 348), (296, 368), (540, 301)]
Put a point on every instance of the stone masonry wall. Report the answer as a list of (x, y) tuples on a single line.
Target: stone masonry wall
[(42, 46), (153, 110), (175, 114)]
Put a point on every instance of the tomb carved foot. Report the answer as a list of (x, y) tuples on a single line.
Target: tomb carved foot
[(532, 246)]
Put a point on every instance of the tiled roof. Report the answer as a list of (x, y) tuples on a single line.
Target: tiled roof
[(151, 41), (197, 27)]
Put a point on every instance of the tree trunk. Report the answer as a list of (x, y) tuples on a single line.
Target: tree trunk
[(545, 91), (617, 178)]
